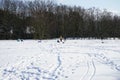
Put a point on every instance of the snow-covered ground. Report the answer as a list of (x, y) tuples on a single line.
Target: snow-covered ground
[(49, 60)]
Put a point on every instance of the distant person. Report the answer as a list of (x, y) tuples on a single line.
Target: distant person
[(60, 40), (20, 40)]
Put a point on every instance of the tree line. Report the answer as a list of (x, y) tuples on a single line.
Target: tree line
[(45, 19)]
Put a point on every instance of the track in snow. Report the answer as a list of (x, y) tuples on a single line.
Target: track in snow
[(54, 61)]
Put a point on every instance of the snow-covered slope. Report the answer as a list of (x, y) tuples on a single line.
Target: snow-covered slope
[(49, 60)]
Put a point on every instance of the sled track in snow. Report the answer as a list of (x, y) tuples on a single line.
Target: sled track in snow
[(41, 74), (94, 71), (85, 75), (89, 74), (90, 66)]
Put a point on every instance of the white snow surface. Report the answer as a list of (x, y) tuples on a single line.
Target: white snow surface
[(49, 60)]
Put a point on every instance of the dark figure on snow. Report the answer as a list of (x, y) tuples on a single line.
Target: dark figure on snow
[(60, 40)]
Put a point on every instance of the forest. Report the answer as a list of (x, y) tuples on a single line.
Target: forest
[(45, 19)]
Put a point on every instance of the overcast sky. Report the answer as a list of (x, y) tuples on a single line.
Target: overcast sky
[(110, 5)]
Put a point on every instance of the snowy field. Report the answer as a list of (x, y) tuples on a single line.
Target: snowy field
[(49, 60)]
